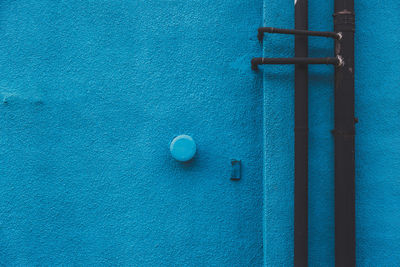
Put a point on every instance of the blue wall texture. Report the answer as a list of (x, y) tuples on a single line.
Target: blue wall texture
[(377, 139), (92, 92)]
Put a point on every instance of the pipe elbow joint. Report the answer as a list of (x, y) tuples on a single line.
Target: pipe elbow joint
[(260, 35), (255, 62)]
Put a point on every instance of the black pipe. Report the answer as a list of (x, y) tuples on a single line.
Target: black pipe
[(301, 137), (295, 60), (262, 30), (344, 132)]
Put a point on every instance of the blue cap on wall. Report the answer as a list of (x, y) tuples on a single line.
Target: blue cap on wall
[(183, 148)]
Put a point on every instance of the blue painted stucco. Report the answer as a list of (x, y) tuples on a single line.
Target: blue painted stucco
[(377, 137), (92, 93)]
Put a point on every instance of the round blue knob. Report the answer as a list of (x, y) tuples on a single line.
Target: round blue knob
[(183, 148)]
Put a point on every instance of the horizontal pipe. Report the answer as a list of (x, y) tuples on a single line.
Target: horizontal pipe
[(262, 30), (337, 61)]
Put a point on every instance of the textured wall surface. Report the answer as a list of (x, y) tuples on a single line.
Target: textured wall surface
[(92, 92), (377, 139)]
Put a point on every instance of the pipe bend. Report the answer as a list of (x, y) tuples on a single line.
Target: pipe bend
[(255, 62)]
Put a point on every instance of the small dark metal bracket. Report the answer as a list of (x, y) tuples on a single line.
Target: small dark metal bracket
[(236, 169), (336, 61)]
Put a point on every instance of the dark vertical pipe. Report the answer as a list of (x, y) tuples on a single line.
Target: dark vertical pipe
[(344, 136), (301, 139)]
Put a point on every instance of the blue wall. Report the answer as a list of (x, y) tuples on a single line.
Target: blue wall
[(92, 92), (377, 139)]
